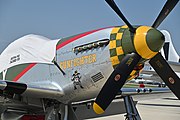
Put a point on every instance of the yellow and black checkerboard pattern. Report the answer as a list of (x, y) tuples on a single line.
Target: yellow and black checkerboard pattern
[(116, 49), (115, 45)]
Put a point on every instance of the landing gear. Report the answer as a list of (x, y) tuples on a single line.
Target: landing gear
[(53, 113), (61, 112), (131, 110), (67, 112)]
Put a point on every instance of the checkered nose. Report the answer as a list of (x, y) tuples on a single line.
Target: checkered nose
[(115, 45)]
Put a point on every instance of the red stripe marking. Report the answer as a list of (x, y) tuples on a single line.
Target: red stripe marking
[(76, 37), (24, 71)]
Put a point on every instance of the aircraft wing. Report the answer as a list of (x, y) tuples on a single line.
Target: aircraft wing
[(148, 73), (148, 90), (132, 89), (38, 90), (175, 66)]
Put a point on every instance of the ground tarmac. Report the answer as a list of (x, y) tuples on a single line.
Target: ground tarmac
[(163, 106)]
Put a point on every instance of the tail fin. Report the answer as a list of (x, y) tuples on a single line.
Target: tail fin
[(168, 51)]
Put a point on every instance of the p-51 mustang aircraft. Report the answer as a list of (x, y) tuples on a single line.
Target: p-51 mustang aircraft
[(37, 72)]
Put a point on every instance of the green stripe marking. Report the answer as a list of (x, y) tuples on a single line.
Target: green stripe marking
[(14, 71)]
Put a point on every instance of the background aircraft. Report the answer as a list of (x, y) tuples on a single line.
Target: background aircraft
[(44, 76), (170, 54)]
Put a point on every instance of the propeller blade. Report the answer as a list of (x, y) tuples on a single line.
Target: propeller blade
[(170, 4), (166, 73), (115, 82), (113, 5)]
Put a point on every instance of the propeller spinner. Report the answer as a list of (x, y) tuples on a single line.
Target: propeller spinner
[(150, 41)]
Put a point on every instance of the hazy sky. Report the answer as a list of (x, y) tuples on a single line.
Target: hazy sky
[(61, 18)]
